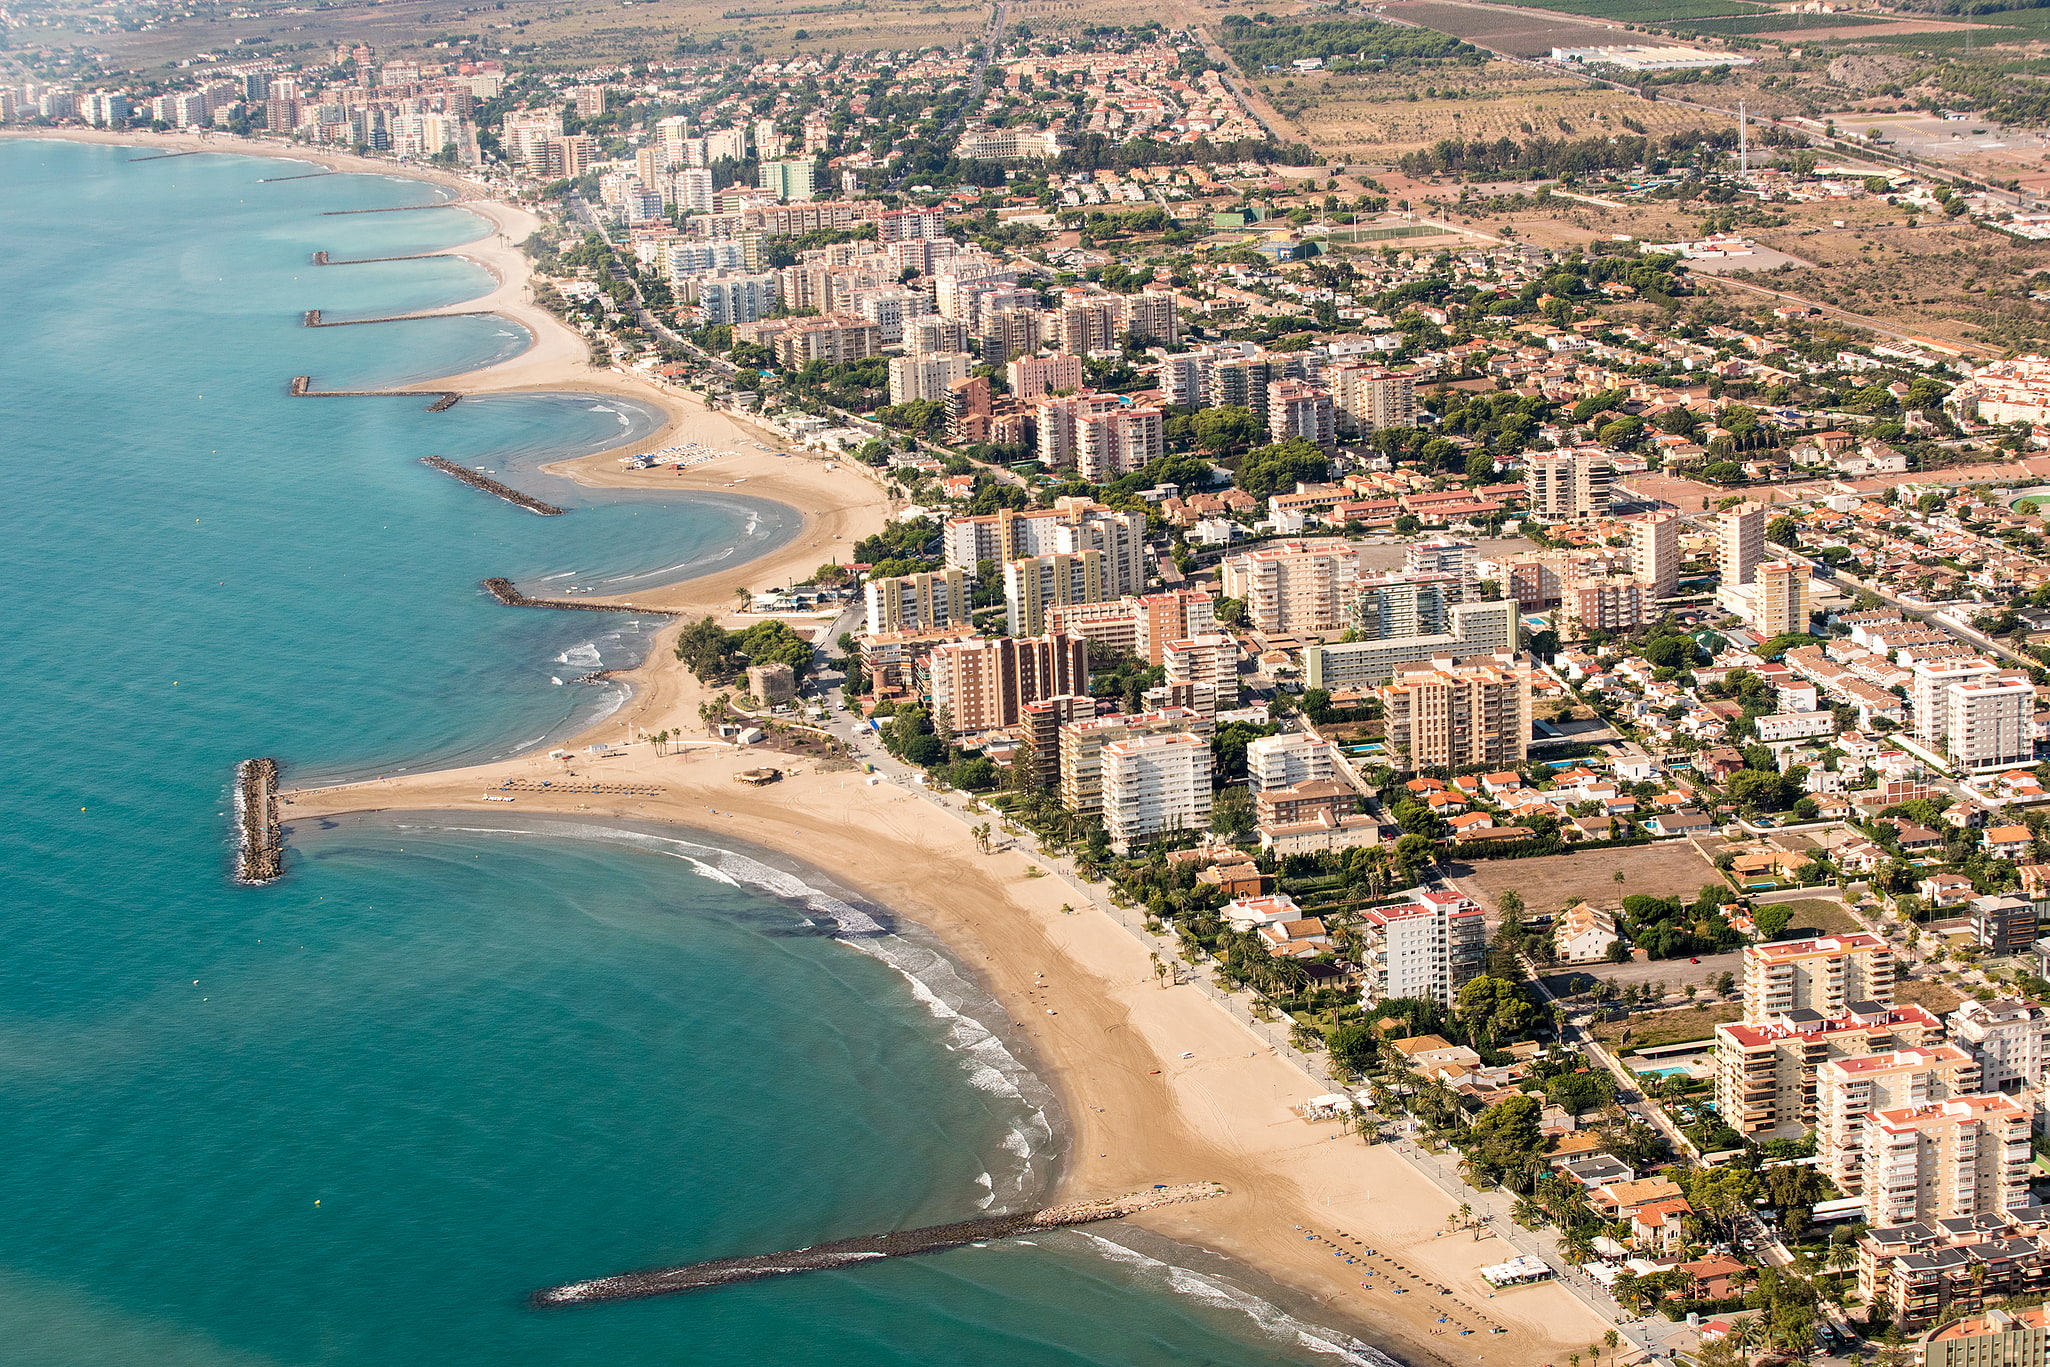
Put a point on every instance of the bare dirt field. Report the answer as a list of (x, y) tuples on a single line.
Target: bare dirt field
[(1666, 869), (1954, 281)]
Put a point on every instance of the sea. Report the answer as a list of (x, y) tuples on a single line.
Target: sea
[(357, 1115)]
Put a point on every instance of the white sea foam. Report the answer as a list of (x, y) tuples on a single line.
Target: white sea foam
[(583, 656), (1215, 1291), (935, 982)]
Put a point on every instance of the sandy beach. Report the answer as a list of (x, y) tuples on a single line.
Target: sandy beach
[(840, 501), (1102, 1031), (1161, 1084)]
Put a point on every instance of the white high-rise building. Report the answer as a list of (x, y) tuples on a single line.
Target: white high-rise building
[(1155, 786), (1428, 948), (1442, 556), (917, 602), (1740, 542), (928, 376), (693, 190), (1848, 1090), (1655, 552), (1288, 759)]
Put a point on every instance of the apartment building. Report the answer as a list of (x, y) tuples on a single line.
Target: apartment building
[(890, 660), (1997, 1338), (1035, 583), (1766, 1072), (1059, 423), (1990, 722), (1565, 486), (983, 685), (927, 376), (1848, 1090), (1442, 556), (1070, 526), (1082, 740), (797, 342), (1031, 377), (1294, 587), (1826, 975), (1211, 659), (1297, 408), (917, 602), (1781, 598), (1288, 759), (1116, 441), (1655, 553), (1471, 629), (1386, 606), (1927, 1271), (1175, 615), (1458, 713), (1368, 398), (1429, 948), (1155, 786), (2010, 1041), (1739, 542), (1040, 732), (1962, 1157)]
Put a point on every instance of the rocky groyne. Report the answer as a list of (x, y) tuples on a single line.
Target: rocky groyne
[(259, 837), (504, 592), (666, 1281), (444, 399), (492, 486)]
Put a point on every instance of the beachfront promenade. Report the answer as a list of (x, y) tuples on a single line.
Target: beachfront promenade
[(1490, 1207)]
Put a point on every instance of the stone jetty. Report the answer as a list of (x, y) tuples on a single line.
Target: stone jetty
[(396, 209), (492, 486), (314, 319), (504, 592), (666, 1281), (166, 156), (325, 259), (304, 175), (259, 838), (302, 388)]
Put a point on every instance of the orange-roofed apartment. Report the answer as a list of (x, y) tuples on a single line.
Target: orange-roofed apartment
[(1965, 1156)]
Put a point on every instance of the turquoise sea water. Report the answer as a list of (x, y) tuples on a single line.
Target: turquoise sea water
[(353, 1117)]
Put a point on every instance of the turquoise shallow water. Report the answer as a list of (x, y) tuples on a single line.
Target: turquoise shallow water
[(353, 1117)]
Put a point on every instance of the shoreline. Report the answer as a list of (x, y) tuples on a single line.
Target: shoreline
[(1095, 1026), (1158, 1084), (836, 501)]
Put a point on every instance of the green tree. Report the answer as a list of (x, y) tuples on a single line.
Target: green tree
[(1280, 467), (1228, 427), (1231, 814)]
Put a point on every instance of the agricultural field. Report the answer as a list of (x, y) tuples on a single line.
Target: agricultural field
[(1374, 118), (1531, 34), (1644, 11), (1767, 23), (573, 33)]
